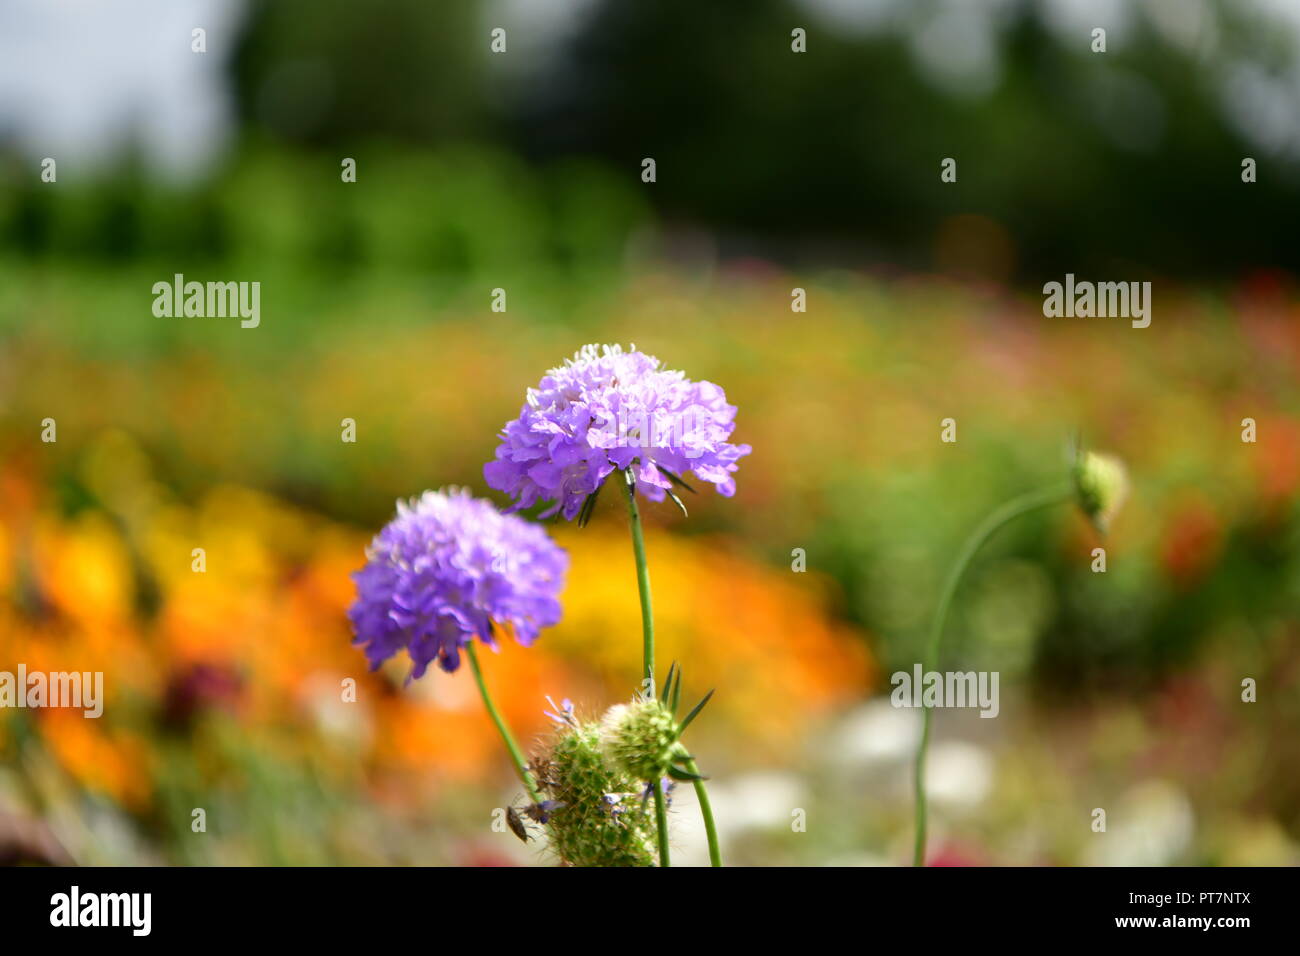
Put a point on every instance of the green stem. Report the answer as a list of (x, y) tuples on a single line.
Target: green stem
[(1008, 512), (643, 586), (516, 755), (661, 822), (706, 811), (647, 646)]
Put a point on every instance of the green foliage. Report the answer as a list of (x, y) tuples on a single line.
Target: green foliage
[(330, 71), (1087, 160)]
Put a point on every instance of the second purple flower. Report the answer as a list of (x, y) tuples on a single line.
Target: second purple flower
[(450, 568), (606, 410)]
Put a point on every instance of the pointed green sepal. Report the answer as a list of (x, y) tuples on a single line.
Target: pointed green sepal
[(589, 506), (684, 776), (681, 728), (667, 689), (677, 501), (677, 480)]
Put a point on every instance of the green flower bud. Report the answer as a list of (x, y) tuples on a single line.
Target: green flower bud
[(1101, 485), (640, 738), (601, 818)]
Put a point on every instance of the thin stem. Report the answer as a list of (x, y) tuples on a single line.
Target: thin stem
[(643, 585), (706, 811), (516, 755), (647, 646), (1008, 512), (661, 822)]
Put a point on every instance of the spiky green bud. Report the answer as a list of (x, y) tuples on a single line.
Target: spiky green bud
[(1101, 485), (602, 818), (640, 738)]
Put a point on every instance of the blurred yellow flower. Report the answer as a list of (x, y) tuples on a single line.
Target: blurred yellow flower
[(764, 638)]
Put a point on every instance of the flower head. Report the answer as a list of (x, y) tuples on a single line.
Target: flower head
[(606, 410), (640, 738), (598, 816), (444, 570), (1100, 485)]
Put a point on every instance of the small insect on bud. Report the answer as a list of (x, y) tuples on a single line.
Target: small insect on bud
[(517, 826), (1100, 485)]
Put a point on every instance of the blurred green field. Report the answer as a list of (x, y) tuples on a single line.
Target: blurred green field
[(1124, 686), (777, 171)]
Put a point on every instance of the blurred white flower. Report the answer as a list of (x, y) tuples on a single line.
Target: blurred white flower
[(876, 733), (752, 801), (958, 775), (1152, 825)]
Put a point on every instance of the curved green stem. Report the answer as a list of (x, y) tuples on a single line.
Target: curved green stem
[(706, 811), (1008, 512), (516, 755), (647, 646)]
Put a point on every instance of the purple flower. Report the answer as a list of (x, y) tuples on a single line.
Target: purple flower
[(443, 571), (562, 714), (606, 410)]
